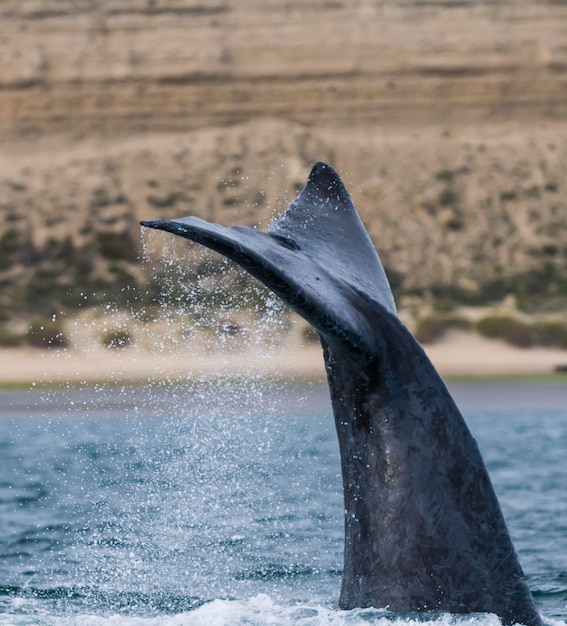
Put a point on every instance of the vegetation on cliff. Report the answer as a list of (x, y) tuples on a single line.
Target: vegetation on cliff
[(446, 121)]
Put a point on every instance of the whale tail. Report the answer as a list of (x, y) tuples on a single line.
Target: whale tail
[(423, 527), (321, 277)]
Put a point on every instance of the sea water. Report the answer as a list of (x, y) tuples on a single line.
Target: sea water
[(220, 503)]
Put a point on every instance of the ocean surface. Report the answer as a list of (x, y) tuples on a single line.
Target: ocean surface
[(220, 503)]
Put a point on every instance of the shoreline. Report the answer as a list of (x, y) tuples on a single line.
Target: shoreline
[(459, 355)]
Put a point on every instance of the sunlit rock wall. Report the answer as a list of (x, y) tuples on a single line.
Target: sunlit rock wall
[(447, 120)]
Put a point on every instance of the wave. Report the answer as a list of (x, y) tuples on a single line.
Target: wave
[(257, 611)]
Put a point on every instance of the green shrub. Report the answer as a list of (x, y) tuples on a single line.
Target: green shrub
[(117, 338), (551, 186), (454, 222), (448, 197), (509, 329), (443, 305), (164, 202), (47, 334), (309, 334), (10, 339), (430, 329), (445, 175), (508, 196), (550, 334), (117, 246)]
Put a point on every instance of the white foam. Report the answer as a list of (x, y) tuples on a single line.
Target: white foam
[(260, 610)]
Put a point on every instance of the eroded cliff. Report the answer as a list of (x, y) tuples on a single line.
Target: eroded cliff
[(446, 119)]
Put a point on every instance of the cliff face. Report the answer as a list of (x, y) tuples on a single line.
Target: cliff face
[(448, 121), (119, 66)]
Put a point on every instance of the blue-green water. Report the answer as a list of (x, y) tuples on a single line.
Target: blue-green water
[(221, 503)]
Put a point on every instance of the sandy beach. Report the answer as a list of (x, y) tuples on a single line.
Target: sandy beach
[(458, 354)]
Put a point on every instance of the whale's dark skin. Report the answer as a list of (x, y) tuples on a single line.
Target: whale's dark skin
[(423, 527)]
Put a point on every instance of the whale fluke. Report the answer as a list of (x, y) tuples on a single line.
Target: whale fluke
[(423, 527)]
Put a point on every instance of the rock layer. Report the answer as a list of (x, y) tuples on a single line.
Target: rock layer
[(128, 65), (446, 119)]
